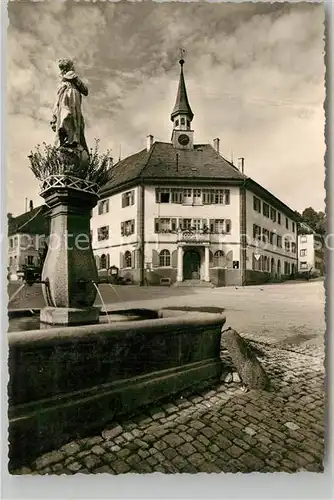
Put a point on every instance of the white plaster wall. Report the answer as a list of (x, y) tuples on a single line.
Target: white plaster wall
[(116, 244), (308, 245)]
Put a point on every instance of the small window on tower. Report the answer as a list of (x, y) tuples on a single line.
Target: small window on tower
[(183, 121), (188, 124), (176, 123)]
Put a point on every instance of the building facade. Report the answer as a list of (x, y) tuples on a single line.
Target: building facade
[(311, 251), (180, 210), (27, 235)]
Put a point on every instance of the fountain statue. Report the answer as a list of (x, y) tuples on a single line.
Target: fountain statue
[(70, 180)]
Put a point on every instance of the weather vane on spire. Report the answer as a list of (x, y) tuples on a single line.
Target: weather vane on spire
[(182, 52)]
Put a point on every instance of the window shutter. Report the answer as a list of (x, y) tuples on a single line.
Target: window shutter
[(204, 223), (108, 261), (99, 208), (132, 226), (157, 195), (123, 200), (133, 258), (212, 223), (156, 225), (173, 227), (121, 260), (155, 258), (227, 197), (174, 258), (228, 226), (122, 228)]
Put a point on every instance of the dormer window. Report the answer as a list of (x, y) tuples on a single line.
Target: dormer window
[(183, 121)]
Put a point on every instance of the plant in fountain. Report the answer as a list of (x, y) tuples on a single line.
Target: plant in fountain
[(48, 160)]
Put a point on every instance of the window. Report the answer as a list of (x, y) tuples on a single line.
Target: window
[(197, 193), (303, 252), (256, 204), (164, 258), (265, 235), (103, 207), (271, 238), (279, 241), (303, 239), (220, 226), (185, 224), (286, 267), (293, 227), (128, 198), (188, 124), (286, 223), (30, 260), (162, 195), (197, 223), (103, 233), (128, 259), (164, 225), (293, 247), (176, 123), (187, 196), (220, 195), (265, 209), (273, 214), (127, 227), (177, 195), (183, 121), (303, 265), (219, 259), (207, 196), (256, 232), (287, 244), (10, 242), (278, 217), (103, 261)]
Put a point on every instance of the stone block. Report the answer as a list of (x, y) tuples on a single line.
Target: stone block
[(245, 361), (68, 316)]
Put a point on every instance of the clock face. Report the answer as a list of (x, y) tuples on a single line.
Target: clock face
[(183, 139)]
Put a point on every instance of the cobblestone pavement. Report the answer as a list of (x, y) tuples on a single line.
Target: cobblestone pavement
[(221, 430)]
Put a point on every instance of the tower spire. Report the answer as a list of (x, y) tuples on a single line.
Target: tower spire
[(182, 105)]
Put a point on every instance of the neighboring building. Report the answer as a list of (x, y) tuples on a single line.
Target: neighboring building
[(180, 210), (311, 251), (26, 239)]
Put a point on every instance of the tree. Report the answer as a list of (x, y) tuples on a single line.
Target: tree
[(316, 220)]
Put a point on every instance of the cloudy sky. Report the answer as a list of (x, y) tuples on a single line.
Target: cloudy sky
[(254, 74)]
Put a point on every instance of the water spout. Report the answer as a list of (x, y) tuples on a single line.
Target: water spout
[(16, 293), (102, 301)]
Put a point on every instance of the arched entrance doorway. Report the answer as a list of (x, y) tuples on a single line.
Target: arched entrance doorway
[(191, 265)]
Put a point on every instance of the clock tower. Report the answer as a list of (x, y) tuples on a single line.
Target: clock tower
[(182, 136)]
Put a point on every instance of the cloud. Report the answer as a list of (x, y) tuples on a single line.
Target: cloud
[(254, 73)]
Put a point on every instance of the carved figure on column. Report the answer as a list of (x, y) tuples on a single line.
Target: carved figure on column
[(67, 120)]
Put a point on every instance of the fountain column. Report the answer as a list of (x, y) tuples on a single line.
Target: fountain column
[(69, 270)]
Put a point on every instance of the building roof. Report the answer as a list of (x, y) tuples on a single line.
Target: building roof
[(182, 104), (34, 221), (163, 161)]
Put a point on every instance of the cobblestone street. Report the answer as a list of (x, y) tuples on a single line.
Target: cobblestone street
[(222, 430)]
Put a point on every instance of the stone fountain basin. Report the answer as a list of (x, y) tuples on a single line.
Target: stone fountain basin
[(71, 381), (21, 320)]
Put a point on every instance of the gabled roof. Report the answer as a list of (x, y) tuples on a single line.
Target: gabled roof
[(163, 161), (33, 222), (182, 104)]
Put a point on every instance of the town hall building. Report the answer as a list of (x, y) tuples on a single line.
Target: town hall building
[(179, 211)]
